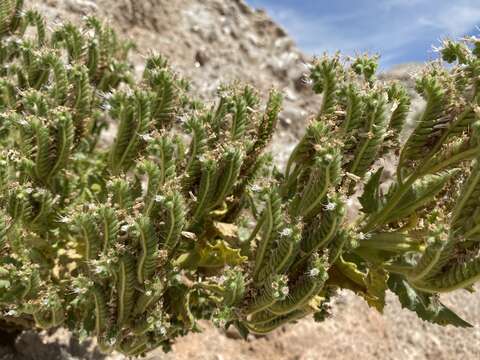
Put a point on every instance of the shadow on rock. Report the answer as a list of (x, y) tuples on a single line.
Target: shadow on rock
[(52, 345)]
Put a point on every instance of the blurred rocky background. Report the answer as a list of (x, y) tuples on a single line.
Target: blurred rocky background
[(211, 42)]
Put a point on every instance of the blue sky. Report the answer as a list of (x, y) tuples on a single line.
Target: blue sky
[(400, 30)]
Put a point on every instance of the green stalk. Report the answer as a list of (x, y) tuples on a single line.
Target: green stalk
[(422, 169), (463, 156), (378, 218)]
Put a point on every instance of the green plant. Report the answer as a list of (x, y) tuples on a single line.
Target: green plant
[(133, 240)]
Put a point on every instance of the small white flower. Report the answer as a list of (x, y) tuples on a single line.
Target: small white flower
[(161, 329), (11, 312), (328, 157), (255, 188), (64, 219), (125, 227), (285, 290), (99, 269), (330, 206), (286, 232), (106, 107), (314, 272), (106, 95), (159, 198), (79, 290), (363, 236), (146, 137)]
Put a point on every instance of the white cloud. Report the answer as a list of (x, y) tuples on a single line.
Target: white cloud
[(454, 20), (391, 4), (325, 34), (391, 27)]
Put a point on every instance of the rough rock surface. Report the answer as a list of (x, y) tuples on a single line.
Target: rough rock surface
[(210, 41)]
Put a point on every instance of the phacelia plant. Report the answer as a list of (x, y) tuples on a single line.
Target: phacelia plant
[(183, 216)]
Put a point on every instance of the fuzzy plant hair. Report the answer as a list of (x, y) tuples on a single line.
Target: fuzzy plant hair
[(181, 215)]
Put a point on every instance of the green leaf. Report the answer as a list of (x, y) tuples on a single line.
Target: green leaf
[(7, 8), (398, 95), (425, 305), (423, 192), (234, 289), (370, 199), (325, 81), (421, 138), (374, 132)]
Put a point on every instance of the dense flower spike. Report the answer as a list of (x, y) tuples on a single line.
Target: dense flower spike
[(181, 215)]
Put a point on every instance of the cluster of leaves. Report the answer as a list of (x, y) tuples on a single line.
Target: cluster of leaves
[(182, 216)]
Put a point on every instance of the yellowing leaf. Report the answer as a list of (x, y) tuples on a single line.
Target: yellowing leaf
[(211, 256), (376, 288), (219, 255), (371, 286)]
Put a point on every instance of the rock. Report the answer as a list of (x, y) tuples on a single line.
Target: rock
[(232, 333), (81, 6), (292, 115), (280, 32), (201, 58), (301, 82), (244, 8), (289, 95)]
